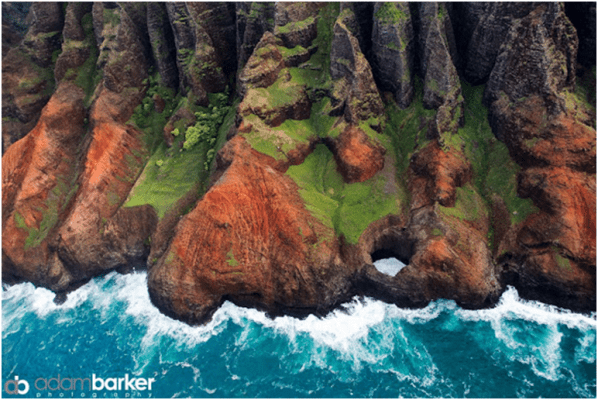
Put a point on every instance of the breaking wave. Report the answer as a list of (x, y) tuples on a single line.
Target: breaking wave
[(108, 327)]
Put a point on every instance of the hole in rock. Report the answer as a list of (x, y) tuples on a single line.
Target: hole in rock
[(391, 249), (389, 266), (388, 261)]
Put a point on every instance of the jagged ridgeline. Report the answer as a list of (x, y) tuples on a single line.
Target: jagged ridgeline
[(267, 153)]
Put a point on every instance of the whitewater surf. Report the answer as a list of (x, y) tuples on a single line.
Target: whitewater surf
[(109, 328)]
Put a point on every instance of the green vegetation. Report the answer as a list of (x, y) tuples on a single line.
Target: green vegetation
[(502, 180), (529, 143), (437, 232), (582, 101), (346, 208), (147, 119), (401, 47), (277, 141), (230, 259), (586, 88), (321, 59), (349, 208), (206, 127), (389, 13), (312, 76), (43, 76), (494, 170), (36, 236), (441, 12), (172, 172), (55, 203), (346, 15), (111, 16), (561, 261), (495, 173), (288, 53), (408, 128), (295, 26), (87, 74), (28, 84), (469, 205), (407, 131), (280, 94)]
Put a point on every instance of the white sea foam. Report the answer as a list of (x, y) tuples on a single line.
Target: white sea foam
[(511, 306), (132, 290), (335, 330), (41, 300), (538, 344), (366, 332), (345, 331), (313, 340), (586, 350), (389, 266)]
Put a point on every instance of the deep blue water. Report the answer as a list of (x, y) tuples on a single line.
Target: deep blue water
[(109, 328)]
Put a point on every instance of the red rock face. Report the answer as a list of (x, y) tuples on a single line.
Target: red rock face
[(559, 242), (62, 223), (555, 247), (463, 273), (36, 174), (358, 158), (537, 139), (113, 161), (249, 239), (452, 257), (567, 200), (447, 258), (435, 176)]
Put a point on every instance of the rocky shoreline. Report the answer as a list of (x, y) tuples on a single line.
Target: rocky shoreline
[(268, 153)]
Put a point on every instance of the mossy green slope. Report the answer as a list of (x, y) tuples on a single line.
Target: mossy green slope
[(494, 170), (87, 76), (172, 172), (312, 76), (346, 208)]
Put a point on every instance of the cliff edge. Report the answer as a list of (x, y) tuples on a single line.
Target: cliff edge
[(269, 153)]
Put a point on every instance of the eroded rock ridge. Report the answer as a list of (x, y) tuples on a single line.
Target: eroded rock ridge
[(268, 153)]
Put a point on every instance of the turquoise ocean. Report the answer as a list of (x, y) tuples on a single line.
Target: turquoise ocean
[(108, 329)]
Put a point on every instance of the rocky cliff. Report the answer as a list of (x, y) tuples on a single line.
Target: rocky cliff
[(268, 153)]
